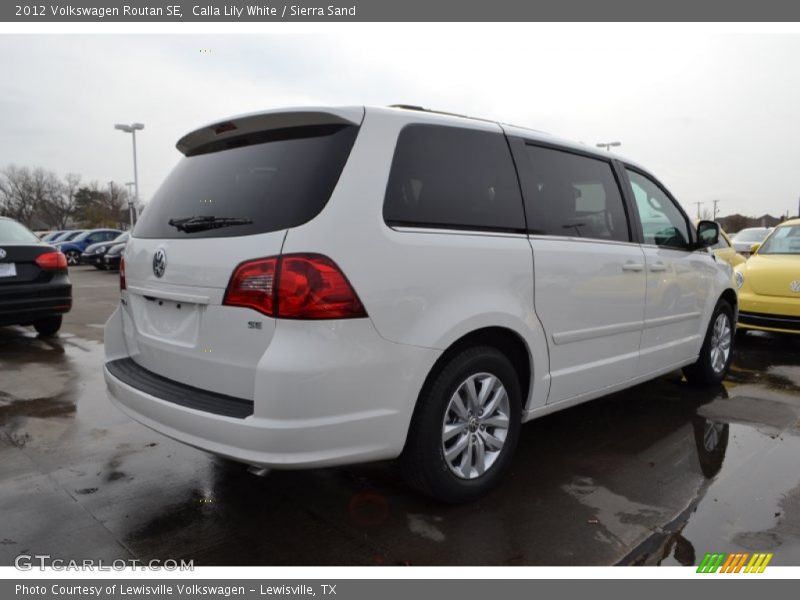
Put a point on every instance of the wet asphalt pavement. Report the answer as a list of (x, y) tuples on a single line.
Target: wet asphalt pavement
[(659, 474)]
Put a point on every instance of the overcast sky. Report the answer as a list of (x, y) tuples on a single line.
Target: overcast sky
[(713, 116)]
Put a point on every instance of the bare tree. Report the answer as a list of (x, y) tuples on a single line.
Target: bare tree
[(99, 206), (62, 204), (17, 197)]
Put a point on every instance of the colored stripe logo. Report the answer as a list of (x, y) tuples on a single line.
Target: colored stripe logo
[(740, 562)]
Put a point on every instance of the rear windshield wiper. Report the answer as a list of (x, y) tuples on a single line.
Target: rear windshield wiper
[(205, 222)]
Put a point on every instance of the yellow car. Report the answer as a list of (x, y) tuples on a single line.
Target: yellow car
[(725, 251), (769, 282)]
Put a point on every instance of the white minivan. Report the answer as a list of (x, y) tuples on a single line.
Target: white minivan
[(321, 286)]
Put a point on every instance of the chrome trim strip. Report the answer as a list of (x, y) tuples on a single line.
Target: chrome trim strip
[(563, 238), (429, 230)]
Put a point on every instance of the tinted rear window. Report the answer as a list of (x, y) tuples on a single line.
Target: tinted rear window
[(455, 178), (277, 179), (12, 232)]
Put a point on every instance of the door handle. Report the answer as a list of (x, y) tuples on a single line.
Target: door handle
[(633, 267), (658, 267)]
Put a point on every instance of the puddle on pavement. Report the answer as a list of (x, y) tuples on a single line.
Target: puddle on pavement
[(665, 472)]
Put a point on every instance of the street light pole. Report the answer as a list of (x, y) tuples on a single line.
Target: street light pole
[(131, 208), (132, 129)]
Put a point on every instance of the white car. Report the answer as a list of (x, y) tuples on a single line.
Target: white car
[(746, 238), (322, 286)]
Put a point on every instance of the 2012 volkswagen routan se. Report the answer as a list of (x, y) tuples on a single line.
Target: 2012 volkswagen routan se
[(314, 287)]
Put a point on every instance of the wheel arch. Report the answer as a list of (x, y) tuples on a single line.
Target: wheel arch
[(504, 339), (731, 298)]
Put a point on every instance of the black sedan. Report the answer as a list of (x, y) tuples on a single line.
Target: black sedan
[(93, 255), (112, 256), (34, 285)]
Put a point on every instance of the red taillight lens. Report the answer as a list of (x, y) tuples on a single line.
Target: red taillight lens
[(252, 285), (52, 261), (311, 286), (294, 286), (122, 284)]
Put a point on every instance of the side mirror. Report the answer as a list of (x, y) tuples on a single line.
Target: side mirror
[(754, 248), (707, 234)]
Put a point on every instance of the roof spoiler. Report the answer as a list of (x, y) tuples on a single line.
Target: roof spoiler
[(257, 122)]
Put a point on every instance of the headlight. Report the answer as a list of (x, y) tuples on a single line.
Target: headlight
[(739, 279)]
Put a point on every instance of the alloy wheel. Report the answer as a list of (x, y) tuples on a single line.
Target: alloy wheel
[(721, 337), (475, 425)]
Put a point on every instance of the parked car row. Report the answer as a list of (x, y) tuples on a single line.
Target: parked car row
[(95, 254), (74, 248)]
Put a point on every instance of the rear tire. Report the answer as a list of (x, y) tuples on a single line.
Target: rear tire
[(73, 258), (717, 351), (48, 327), (465, 427)]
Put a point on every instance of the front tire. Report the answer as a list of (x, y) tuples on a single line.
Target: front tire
[(465, 427), (717, 351), (73, 258), (48, 327)]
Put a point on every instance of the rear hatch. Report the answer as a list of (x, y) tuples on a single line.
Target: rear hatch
[(242, 184)]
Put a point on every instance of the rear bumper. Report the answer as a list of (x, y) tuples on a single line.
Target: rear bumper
[(21, 304), (320, 399)]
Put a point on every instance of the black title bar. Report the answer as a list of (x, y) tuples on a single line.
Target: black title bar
[(398, 10)]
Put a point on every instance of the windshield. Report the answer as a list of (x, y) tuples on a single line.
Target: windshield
[(785, 240), (12, 232), (122, 237), (81, 236), (266, 182), (751, 235), (69, 235)]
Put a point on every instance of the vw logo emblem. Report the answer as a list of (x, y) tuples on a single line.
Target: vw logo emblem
[(159, 262), (2, 253), (795, 286)]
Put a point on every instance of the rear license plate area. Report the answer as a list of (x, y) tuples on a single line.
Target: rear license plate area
[(167, 320)]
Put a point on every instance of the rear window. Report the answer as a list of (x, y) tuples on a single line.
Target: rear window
[(453, 178), (12, 232), (276, 179)]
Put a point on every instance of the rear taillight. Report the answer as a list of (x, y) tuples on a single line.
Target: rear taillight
[(52, 261), (294, 286), (252, 285), (122, 285)]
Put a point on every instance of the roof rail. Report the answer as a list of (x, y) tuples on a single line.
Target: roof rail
[(438, 112)]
